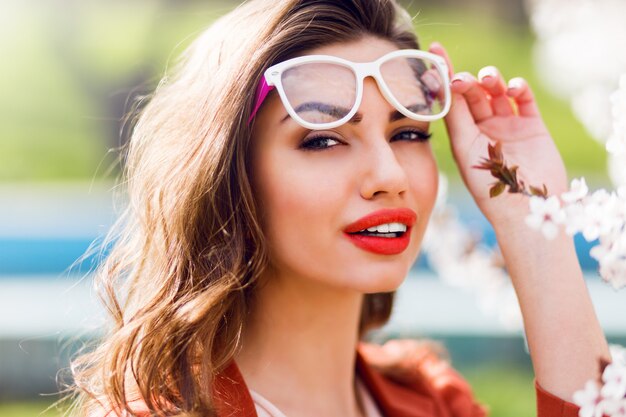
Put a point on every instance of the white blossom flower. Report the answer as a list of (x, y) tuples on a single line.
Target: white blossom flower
[(575, 218), (545, 215), (611, 256), (621, 193), (574, 208), (616, 144), (618, 354), (616, 167), (597, 93), (588, 399), (460, 262), (613, 407), (620, 209), (563, 27), (591, 105), (600, 208), (578, 191), (614, 378), (613, 273), (603, 216)]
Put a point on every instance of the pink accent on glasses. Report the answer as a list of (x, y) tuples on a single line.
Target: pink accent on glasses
[(261, 92)]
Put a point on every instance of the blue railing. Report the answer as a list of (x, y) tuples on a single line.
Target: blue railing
[(51, 228), (53, 256)]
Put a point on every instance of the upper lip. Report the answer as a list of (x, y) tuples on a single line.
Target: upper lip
[(399, 215)]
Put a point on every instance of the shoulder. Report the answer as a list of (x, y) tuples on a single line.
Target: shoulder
[(421, 364)]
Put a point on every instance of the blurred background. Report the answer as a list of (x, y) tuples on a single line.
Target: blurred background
[(71, 72)]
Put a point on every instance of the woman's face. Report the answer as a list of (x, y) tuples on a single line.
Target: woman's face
[(313, 185)]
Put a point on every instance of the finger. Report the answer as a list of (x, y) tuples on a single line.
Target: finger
[(492, 82), (437, 48), (520, 92), (459, 121), (431, 79), (478, 103)]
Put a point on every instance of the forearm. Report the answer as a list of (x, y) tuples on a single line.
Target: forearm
[(564, 337)]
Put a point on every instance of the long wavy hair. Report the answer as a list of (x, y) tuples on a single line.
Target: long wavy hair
[(187, 250)]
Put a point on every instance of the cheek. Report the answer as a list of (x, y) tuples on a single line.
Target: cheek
[(301, 206), (291, 193), (423, 183)]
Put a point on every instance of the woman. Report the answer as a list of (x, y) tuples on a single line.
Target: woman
[(266, 232)]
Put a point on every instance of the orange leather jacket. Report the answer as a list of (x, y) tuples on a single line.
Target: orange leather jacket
[(424, 387), (421, 385)]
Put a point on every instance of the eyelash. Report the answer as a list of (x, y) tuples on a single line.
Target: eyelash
[(307, 145)]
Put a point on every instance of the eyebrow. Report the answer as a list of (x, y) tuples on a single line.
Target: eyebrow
[(337, 111)]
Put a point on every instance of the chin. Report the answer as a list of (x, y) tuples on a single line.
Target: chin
[(380, 277), (386, 281)]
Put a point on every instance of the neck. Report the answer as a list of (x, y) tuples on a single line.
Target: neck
[(303, 335)]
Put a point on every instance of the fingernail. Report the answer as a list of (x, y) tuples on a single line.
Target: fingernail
[(512, 91), (457, 78), (487, 74), (487, 79)]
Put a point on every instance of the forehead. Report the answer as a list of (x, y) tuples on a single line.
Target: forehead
[(366, 49)]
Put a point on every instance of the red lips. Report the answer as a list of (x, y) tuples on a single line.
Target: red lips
[(382, 245)]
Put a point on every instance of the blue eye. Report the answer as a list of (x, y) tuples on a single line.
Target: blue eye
[(413, 135), (319, 142)]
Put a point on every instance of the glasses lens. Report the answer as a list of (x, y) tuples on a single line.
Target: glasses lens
[(320, 92), (416, 83)]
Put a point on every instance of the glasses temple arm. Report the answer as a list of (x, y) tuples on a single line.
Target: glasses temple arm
[(261, 92)]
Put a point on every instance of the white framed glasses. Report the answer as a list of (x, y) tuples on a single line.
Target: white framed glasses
[(324, 92)]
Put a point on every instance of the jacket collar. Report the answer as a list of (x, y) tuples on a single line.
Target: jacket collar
[(394, 399)]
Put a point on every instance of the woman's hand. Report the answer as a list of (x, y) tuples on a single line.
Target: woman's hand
[(488, 110), (546, 274)]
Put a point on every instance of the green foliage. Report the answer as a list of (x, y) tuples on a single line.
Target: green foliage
[(507, 391), (37, 408)]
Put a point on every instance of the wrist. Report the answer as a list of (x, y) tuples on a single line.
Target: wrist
[(528, 253), (517, 233)]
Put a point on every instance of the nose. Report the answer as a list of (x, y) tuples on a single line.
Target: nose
[(383, 173)]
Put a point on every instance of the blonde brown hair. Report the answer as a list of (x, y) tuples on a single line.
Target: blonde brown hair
[(188, 249)]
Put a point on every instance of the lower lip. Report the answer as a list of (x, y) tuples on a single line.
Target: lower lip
[(382, 245)]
